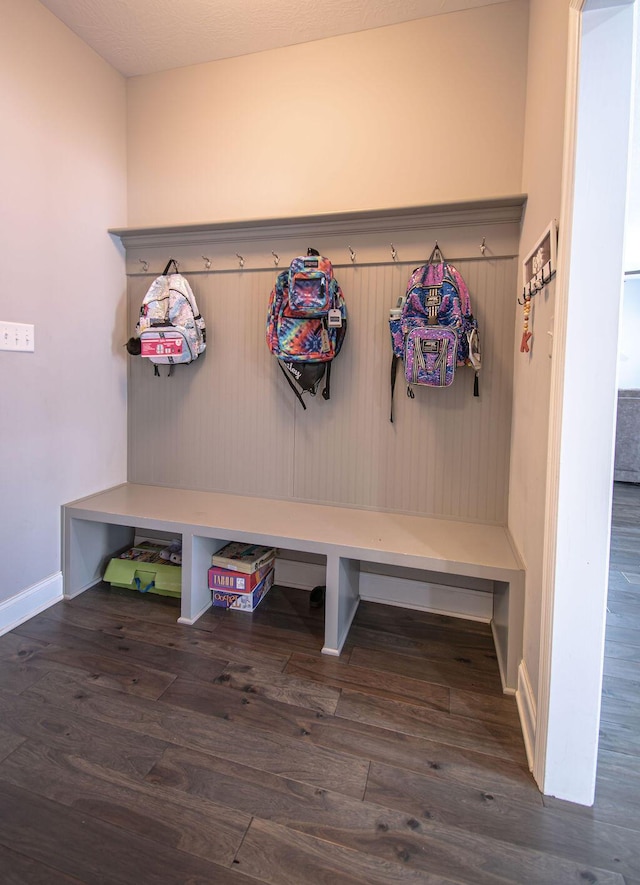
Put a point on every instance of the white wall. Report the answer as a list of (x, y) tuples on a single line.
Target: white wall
[(632, 230), (542, 181), (629, 343), (424, 112), (63, 161), (582, 416)]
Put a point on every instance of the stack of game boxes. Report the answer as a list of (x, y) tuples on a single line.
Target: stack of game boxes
[(241, 575)]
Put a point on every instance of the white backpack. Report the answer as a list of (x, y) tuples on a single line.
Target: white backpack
[(170, 329)]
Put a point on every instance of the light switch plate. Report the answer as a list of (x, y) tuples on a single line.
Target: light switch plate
[(17, 336)]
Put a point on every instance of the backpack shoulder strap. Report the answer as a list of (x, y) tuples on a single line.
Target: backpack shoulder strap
[(292, 386), (456, 278), (167, 268)]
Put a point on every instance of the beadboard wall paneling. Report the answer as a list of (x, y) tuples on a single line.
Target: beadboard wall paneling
[(229, 422), (221, 423), (447, 452)]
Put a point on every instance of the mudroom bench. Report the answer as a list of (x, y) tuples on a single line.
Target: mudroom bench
[(96, 526)]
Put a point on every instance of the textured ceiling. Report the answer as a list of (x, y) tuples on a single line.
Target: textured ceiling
[(144, 36)]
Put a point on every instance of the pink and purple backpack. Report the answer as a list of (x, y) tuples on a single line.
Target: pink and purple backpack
[(433, 330), (306, 323)]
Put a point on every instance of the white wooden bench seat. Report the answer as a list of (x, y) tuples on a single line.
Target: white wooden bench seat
[(96, 526)]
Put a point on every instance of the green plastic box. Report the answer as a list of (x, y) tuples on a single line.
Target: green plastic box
[(159, 577)]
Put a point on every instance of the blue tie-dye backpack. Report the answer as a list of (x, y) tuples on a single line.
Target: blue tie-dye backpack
[(306, 323), (433, 329)]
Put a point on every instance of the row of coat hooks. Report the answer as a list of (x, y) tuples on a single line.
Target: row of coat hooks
[(276, 258)]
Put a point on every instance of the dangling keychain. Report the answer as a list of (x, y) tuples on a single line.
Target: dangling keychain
[(526, 334)]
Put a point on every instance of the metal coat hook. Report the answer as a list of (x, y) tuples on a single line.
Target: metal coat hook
[(353, 254), (145, 264), (207, 262), (436, 251), (534, 286), (394, 254), (241, 259), (483, 248), (276, 258)]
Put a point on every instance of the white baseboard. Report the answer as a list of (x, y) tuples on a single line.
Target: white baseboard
[(443, 599), (303, 575), (30, 602), (461, 602), (527, 711)]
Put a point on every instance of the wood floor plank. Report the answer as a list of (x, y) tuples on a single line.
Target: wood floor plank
[(624, 606), (358, 739), (93, 613), (628, 635), (225, 739), (618, 776), (196, 826), (282, 856), (621, 651), (620, 707), (16, 677), (265, 651), (617, 791), (620, 736), (108, 745), (395, 836), (287, 689), (199, 641), (122, 674), (459, 674), (625, 557), (622, 668), (271, 623), (97, 853), (446, 762), (20, 870), (624, 583), (117, 601), (621, 620), (457, 731), (248, 709), (595, 845), (340, 674), (72, 627), (484, 707), (256, 773), (18, 649), (9, 741), (625, 691), (415, 624), (441, 645), (267, 639)]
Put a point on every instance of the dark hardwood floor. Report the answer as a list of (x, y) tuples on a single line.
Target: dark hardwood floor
[(136, 750)]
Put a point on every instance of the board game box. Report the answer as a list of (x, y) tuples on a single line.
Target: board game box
[(246, 602)]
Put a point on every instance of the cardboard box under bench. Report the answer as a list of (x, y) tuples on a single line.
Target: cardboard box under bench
[(247, 601)]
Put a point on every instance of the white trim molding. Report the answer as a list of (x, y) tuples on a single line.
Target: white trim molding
[(30, 602), (557, 385), (582, 416), (526, 702), (254, 244), (473, 603)]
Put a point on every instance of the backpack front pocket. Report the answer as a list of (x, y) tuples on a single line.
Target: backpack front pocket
[(309, 339), (165, 344), (430, 356), (309, 294)]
